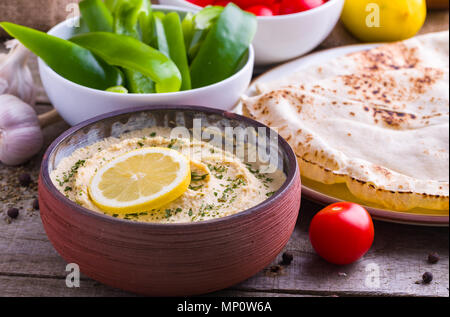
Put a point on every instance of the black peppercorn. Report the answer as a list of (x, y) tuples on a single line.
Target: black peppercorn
[(24, 179), (433, 258), (275, 269), (36, 204), (287, 258), (13, 213), (427, 277)]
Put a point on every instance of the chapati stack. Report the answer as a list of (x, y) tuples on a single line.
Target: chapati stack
[(376, 120)]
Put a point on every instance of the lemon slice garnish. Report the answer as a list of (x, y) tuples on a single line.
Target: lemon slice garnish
[(140, 180)]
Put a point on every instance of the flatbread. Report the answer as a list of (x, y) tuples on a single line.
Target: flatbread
[(428, 50), (383, 132)]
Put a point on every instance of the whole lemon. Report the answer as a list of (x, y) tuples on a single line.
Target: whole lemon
[(383, 20)]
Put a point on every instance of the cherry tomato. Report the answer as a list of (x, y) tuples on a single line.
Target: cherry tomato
[(222, 3), (275, 8), (251, 3), (341, 233), (260, 10), (201, 3), (294, 6)]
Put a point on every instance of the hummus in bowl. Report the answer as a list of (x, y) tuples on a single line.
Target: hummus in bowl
[(229, 236), (221, 183)]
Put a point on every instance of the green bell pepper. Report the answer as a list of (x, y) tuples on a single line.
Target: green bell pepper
[(68, 59), (138, 83), (133, 18), (96, 15), (127, 52), (170, 42), (202, 23), (117, 89), (160, 36), (111, 4), (188, 28), (224, 47), (207, 17), (175, 45)]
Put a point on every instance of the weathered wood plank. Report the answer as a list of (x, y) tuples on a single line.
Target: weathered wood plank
[(19, 286), (400, 258), (399, 253), (33, 286), (29, 266)]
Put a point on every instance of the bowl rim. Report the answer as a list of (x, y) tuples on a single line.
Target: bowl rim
[(283, 16), (286, 148), (44, 67)]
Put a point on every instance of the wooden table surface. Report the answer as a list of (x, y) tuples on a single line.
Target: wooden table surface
[(29, 266)]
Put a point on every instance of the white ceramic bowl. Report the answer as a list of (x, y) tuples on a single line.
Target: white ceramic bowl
[(76, 103), (283, 37)]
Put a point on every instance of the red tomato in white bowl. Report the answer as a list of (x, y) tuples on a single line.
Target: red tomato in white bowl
[(294, 6), (260, 10), (341, 233)]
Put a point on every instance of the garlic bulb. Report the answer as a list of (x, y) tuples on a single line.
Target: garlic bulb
[(15, 76), (20, 132)]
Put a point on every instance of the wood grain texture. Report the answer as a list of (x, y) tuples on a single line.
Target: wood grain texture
[(30, 266), (39, 14), (399, 252)]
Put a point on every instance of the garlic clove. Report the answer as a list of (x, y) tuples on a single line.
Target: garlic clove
[(19, 145), (3, 86), (20, 134), (14, 70)]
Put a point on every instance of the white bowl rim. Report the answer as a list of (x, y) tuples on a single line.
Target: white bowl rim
[(249, 63), (287, 16)]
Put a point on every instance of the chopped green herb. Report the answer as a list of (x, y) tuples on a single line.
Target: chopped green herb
[(172, 143), (153, 134), (195, 187), (67, 176), (258, 174), (195, 177), (217, 168)]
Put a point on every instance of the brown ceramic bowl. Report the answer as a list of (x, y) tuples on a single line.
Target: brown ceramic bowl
[(166, 259)]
